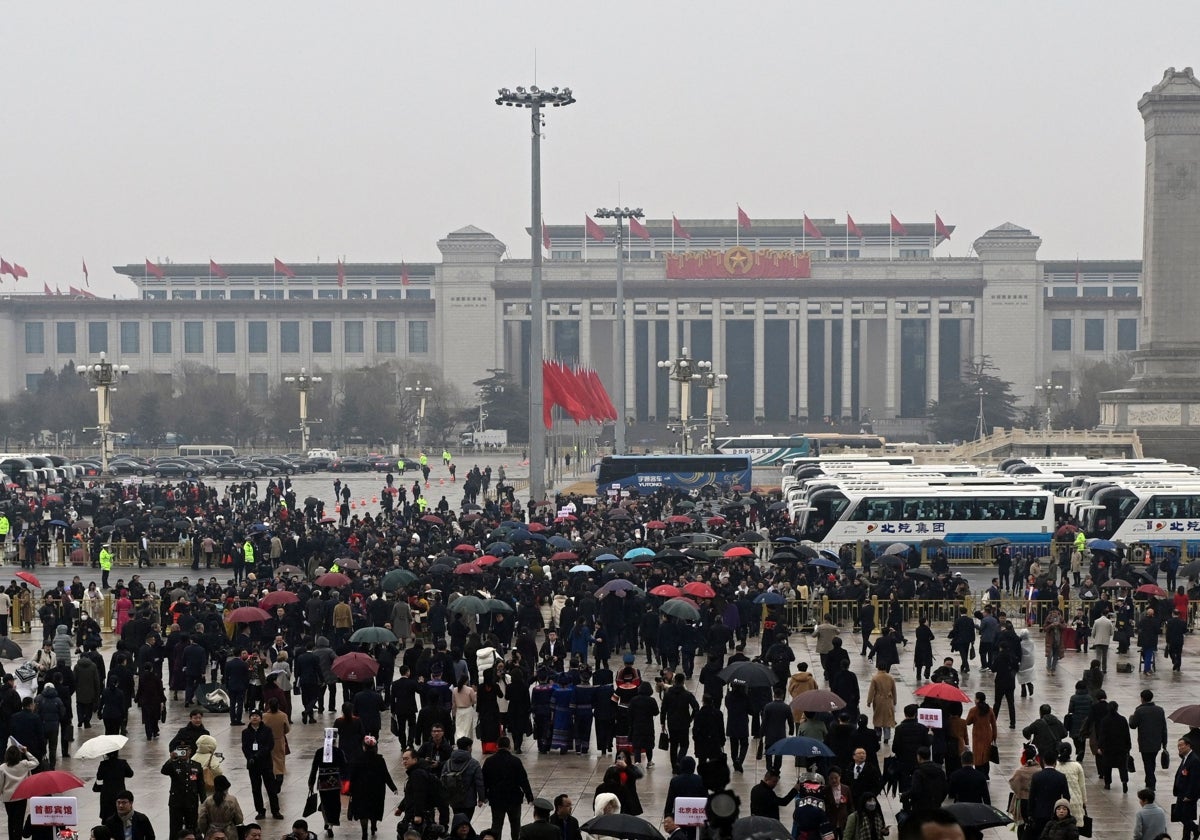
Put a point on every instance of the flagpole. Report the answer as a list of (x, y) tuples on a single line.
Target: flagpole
[(891, 237), (847, 252), (933, 239), (737, 228), (672, 233), (804, 235)]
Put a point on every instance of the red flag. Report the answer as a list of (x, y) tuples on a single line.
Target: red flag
[(151, 268), (341, 274), (638, 229), (403, 274), (897, 228), (743, 219), (545, 235), (593, 230), (46, 289), (85, 274), (610, 410), (851, 228), (939, 227), (73, 292), (679, 229), (5, 268), (281, 268), (590, 400), (812, 230), (551, 392), (19, 271), (216, 270)]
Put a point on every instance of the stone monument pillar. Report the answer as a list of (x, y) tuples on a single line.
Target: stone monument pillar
[(1162, 401)]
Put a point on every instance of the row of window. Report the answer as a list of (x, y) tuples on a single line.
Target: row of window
[(1062, 334), (293, 294), (1093, 291), (227, 339)]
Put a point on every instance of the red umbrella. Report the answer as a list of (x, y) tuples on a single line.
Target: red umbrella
[(47, 783), (467, 569), (535, 527), (656, 525), (943, 691), (466, 549), (431, 519), (566, 517), (563, 556), (30, 578), (354, 667), (666, 590), (699, 590), (1145, 589), (487, 560), (247, 615), (335, 579), (715, 520), (278, 598), (327, 520), (739, 551), (679, 520)]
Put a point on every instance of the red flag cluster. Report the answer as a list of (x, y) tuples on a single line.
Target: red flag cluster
[(578, 391), (15, 270), (74, 292)]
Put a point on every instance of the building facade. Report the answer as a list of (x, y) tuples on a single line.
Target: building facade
[(869, 321)]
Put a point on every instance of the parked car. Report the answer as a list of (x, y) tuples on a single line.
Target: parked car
[(174, 469), (238, 469), (351, 465)]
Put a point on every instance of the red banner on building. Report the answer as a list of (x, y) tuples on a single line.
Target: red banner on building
[(738, 262)]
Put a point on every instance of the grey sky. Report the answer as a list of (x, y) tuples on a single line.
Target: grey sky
[(244, 131)]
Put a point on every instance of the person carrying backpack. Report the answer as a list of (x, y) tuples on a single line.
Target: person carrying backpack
[(462, 780)]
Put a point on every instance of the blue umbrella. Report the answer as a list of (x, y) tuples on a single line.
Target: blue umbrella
[(509, 523), (496, 549), (770, 598), (640, 551), (606, 558), (520, 535), (58, 523), (800, 746), (785, 540), (560, 542), (534, 537), (1101, 545), (829, 555), (257, 528), (823, 562)]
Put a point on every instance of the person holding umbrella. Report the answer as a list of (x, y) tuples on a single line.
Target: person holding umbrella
[(18, 764)]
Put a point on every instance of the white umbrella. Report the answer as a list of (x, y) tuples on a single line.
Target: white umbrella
[(582, 567), (100, 746)]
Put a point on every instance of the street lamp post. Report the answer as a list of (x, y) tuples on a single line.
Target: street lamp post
[(710, 381), (979, 427), (102, 376), (1049, 389), (304, 382), (421, 391), (684, 370), (535, 98), (620, 214)]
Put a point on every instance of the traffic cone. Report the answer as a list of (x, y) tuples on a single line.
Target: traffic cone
[(441, 482), (352, 505), (363, 502), (426, 485), (374, 500)]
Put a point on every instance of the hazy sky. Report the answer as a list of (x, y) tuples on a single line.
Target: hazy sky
[(299, 129)]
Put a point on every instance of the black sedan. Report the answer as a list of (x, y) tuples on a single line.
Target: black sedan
[(173, 469), (351, 465), (238, 469)]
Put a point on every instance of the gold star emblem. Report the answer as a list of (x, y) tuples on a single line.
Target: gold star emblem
[(738, 260)]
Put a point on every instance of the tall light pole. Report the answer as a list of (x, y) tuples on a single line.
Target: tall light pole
[(535, 98), (683, 370), (1049, 389), (620, 214), (979, 427), (421, 391), (102, 376), (710, 381), (304, 382)]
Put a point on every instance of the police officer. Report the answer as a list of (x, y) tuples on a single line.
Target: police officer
[(106, 561)]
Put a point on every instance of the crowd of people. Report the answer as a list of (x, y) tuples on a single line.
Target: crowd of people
[(561, 628)]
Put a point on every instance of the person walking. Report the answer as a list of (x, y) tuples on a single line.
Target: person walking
[(506, 785), (1101, 638), (1150, 721), (220, 811), (982, 723), (1186, 789), (18, 764), (679, 708), (369, 777), (464, 709), (258, 742), (1115, 746), (881, 697), (329, 769), (275, 720)]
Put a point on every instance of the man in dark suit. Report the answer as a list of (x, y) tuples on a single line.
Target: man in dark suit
[(506, 784), (863, 776), (1186, 790), (1150, 721), (138, 823), (968, 784), (540, 828), (564, 820), (1047, 786), (764, 802)]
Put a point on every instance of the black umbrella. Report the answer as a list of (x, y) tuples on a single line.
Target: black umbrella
[(750, 536), (621, 567), (122, 523), (897, 548), (1191, 570), (9, 649), (921, 572), (995, 541), (753, 674), (774, 507), (891, 561), (805, 551), (978, 815), (760, 828), (933, 542), (625, 826)]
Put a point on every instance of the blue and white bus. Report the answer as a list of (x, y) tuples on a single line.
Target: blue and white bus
[(837, 515), (687, 472), (767, 450)]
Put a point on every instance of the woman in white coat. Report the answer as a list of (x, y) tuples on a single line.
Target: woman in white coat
[(464, 710), (1025, 672)]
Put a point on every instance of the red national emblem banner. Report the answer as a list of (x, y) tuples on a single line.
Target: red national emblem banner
[(738, 262)]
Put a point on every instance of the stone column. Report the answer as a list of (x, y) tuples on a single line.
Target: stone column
[(585, 332), (802, 360), (891, 363), (847, 360), (760, 360), (718, 354), (673, 344), (933, 360)]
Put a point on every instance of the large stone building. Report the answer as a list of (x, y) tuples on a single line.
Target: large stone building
[(869, 320)]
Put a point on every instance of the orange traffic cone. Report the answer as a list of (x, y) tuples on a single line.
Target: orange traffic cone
[(363, 503), (374, 500), (351, 505), (441, 482)]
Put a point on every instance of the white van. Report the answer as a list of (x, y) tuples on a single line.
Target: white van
[(331, 454)]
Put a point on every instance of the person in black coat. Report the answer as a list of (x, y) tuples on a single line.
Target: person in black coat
[(962, 637), (1150, 721), (908, 738), (862, 775), (507, 786), (26, 727), (1186, 788), (844, 683), (1115, 746), (679, 708), (140, 826), (257, 743), (764, 802), (686, 782), (1004, 667), (237, 681), (887, 650), (927, 786), (776, 718), (708, 730), (643, 709), (969, 784), (1047, 786), (737, 724)]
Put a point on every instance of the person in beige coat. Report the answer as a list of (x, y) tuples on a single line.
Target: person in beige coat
[(208, 759), (881, 697), (276, 720), (798, 683)]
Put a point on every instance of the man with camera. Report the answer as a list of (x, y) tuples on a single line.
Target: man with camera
[(187, 789)]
